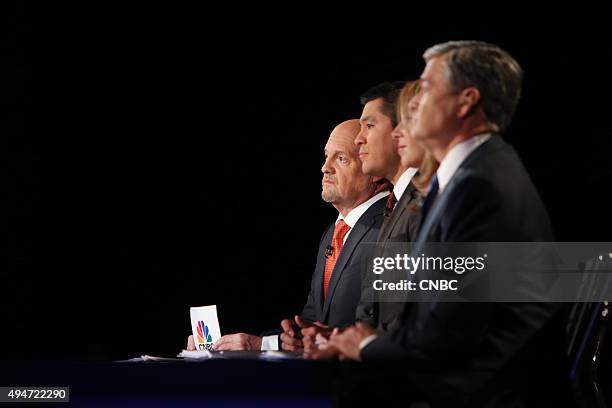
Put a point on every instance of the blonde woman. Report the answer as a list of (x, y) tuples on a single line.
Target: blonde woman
[(411, 153)]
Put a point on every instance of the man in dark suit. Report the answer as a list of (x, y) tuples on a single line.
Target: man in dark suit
[(378, 151), (336, 282), (469, 353)]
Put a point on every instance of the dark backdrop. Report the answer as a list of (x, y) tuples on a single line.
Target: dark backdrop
[(154, 163)]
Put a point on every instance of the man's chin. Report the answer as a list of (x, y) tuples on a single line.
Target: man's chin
[(329, 197), (369, 170)]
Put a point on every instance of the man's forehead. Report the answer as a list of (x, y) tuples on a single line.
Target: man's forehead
[(432, 67), (371, 109), (341, 141)]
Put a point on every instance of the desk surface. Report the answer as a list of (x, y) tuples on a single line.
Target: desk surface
[(243, 381)]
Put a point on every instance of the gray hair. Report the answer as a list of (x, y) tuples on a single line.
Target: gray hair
[(488, 68)]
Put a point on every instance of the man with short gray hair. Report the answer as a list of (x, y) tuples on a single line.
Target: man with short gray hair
[(488, 68)]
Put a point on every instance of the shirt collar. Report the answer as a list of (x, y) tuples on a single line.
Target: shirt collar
[(403, 181), (453, 159), (355, 214)]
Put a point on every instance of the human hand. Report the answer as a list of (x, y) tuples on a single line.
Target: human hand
[(238, 341)]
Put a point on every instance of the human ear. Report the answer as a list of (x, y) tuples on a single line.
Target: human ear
[(468, 100)]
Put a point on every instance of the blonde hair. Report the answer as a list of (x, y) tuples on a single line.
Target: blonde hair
[(429, 165)]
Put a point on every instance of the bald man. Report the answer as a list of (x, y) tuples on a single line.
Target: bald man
[(335, 288)]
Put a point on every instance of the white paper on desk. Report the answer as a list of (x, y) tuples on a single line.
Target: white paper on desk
[(147, 357), (196, 354), (205, 326), (278, 355)]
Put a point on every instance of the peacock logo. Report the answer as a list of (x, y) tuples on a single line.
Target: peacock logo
[(203, 333)]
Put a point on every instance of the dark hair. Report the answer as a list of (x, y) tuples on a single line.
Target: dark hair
[(488, 68), (388, 92)]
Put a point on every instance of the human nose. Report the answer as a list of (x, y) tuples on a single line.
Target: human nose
[(360, 139), (326, 168), (397, 132)]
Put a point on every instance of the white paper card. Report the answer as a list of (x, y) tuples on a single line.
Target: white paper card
[(196, 354), (205, 326)]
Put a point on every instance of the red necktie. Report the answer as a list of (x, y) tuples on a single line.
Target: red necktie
[(391, 201), (336, 247)]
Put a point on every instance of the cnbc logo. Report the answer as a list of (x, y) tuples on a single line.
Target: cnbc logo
[(204, 337)]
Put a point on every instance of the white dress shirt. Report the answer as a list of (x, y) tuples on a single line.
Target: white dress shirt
[(271, 342), (355, 214), (402, 183), (457, 155)]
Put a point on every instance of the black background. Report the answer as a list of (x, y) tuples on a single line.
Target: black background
[(153, 163)]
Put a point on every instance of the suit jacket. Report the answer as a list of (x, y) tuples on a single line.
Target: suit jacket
[(338, 307), (462, 348), (401, 227)]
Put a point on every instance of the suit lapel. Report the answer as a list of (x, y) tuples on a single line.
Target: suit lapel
[(494, 143), (397, 214), (438, 205)]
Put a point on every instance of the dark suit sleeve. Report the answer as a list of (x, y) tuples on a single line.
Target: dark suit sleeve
[(310, 311), (435, 331), (365, 307), (310, 308), (403, 231)]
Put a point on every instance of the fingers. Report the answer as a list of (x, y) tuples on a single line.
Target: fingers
[(323, 354), (348, 342), (364, 329), (229, 346), (334, 333), (287, 326), (290, 343), (224, 342), (310, 344), (314, 330), (302, 323), (310, 331), (190, 343), (321, 340), (319, 324), (237, 341)]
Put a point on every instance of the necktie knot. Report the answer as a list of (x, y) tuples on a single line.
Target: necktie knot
[(340, 231), (391, 201)]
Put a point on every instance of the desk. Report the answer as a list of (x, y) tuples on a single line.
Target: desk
[(216, 382)]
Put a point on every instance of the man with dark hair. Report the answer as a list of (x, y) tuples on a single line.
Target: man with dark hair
[(387, 92), (378, 152)]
